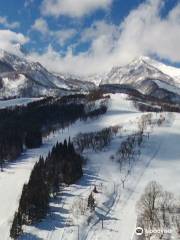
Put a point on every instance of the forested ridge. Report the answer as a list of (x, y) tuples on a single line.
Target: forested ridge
[(62, 165), (24, 126)]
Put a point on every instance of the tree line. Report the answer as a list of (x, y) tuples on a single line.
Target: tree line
[(62, 165), (152, 104), (129, 149), (95, 140), (23, 127)]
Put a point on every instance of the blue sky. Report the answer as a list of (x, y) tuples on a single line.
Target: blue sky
[(27, 11), (96, 33)]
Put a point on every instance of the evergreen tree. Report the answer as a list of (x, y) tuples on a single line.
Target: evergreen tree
[(33, 138), (91, 202), (38, 193), (95, 189), (16, 228), (62, 164)]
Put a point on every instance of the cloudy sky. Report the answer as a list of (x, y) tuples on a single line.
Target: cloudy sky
[(90, 36)]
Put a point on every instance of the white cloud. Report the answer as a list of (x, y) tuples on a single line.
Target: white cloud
[(59, 36), (72, 8), (4, 21), (10, 41), (62, 36), (41, 25), (143, 32), (99, 29)]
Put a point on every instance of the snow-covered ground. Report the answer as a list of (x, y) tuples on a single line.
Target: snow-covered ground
[(168, 87), (159, 160), (17, 102), (14, 85)]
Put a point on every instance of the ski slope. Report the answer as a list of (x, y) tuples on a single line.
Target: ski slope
[(159, 160), (17, 102), (168, 87), (16, 174)]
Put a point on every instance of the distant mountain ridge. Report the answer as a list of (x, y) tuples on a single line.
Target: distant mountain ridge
[(148, 77), (21, 78)]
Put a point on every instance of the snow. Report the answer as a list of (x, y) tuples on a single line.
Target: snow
[(173, 72), (11, 183), (161, 164), (145, 68), (134, 73), (1, 53), (137, 70), (17, 102), (159, 161), (14, 84), (166, 86), (93, 78), (34, 71)]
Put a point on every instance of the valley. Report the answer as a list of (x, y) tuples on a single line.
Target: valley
[(126, 130), (115, 200), (90, 120)]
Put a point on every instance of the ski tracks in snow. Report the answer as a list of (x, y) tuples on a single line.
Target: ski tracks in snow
[(93, 231)]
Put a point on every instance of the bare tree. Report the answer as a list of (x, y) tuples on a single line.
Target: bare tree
[(95, 140), (79, 207), (166, 205), (158, 210), (149, 204)]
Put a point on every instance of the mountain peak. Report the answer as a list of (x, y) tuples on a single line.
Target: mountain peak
[(144, 58), (141, 60), (139, 70)]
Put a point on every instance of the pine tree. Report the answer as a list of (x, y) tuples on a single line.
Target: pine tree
[(62, 164), (91, 202), (33, 138), (95, 189), (16, 229), (38, 193)]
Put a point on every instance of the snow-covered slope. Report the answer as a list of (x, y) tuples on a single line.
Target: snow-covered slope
[(145, 75), (17, 102), (22, 78), (173, 72), (159, 160), (33, 70), (134, 73), (19, 77), (117, 205), (121, 111), (94, 79)]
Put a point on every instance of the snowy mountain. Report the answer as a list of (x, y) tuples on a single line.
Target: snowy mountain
[(22, 78), (173, 72), (94, 79), (147, 76), (19, 77)]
